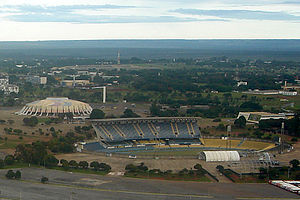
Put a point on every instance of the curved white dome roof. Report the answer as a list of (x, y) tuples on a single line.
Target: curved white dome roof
[(55, 106)]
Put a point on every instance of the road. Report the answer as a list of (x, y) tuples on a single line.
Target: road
[(65, 185)]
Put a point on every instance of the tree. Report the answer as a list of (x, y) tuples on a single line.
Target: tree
[(2, 164), (9, 160), (51, 161), (10, 174), (131, 168), (18, 175), (95, 165), (44, 179), (240, 122), (220, 168), (64, 163), (128, 113), (142, 167), (155, 109), (104, 167), (32, 121), (83, 164), (250, 106), (73, 164), (295, 163), (97, 114), (198, 167)]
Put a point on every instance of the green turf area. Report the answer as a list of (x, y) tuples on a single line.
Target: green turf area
[(162, 152)]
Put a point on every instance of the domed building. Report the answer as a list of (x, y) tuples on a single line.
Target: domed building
[(55, 107)]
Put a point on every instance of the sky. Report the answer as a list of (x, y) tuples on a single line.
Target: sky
[(32, 20)]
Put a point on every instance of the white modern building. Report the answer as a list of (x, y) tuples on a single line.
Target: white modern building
[(220, 156)]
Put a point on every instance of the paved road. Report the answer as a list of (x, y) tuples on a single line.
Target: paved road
[(65, 185)]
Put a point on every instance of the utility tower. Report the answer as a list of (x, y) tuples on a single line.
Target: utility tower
[(119, 58)]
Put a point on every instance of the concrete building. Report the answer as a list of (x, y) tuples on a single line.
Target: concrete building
[(239, 83), (43, 80), (4, 80), (6, 87), (10, 89)]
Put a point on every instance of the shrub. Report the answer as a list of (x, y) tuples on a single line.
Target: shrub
[(44, 179), (10, 174), (73, 164), (83, 164), (2, 164), (294, 139), (95, 165), (9, 160), (18, 175)]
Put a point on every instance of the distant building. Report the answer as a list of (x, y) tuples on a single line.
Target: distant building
[(6, 87), (4, 80), (239, 83), (255, 117), (83, 72), (288, 93), (10, 89), (43, 80), (71, 83), (263, 92), (36, 79)]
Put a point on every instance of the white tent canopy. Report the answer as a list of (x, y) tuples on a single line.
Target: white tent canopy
[(213, 156)]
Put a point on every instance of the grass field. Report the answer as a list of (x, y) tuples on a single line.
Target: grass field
[(171, 152)]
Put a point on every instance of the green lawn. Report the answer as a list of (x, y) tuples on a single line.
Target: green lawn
[(161, 152)]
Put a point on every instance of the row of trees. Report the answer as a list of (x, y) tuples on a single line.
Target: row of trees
[(97, 166), (43, 159), (143, 170)]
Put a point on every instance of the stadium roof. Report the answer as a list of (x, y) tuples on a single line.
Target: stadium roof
[(214, 156), (146, 119), (55, 106)]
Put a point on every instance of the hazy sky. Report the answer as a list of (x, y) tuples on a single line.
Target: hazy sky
[(148, 19)]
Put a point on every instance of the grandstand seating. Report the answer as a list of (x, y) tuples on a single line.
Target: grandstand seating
[(147, 130)]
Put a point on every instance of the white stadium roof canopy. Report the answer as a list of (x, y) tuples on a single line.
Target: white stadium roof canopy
[(211, 156)]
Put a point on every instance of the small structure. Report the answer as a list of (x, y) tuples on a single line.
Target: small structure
[(220, 156), (242, 83)]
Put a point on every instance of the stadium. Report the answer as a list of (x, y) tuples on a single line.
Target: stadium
[(55, 107), (163, 134)]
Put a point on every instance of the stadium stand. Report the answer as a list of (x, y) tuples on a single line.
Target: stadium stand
[(145, 131), (165, 132)]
